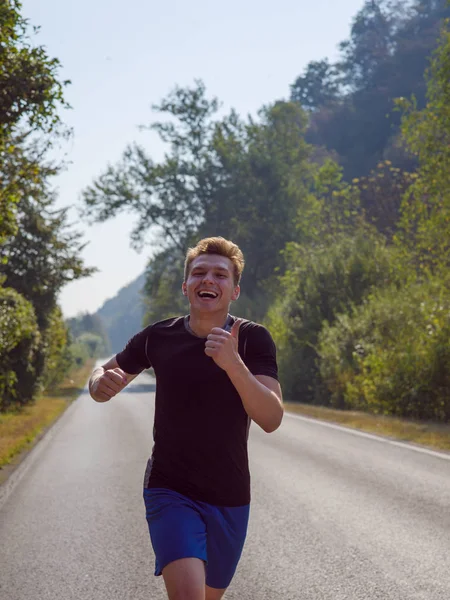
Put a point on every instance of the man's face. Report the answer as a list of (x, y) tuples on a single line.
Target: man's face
[(210, 285)]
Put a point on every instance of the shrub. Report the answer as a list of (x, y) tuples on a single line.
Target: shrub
[(392, 355)]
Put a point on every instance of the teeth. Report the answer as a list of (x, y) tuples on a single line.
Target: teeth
[(207, 295)]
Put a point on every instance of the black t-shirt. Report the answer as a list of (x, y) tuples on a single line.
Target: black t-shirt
[(201, 428)]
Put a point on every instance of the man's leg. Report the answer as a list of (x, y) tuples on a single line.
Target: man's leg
[(214, 593), (227, 529), (185, 579)]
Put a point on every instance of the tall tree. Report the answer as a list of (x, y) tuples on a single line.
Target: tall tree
[(319, 86), (371, 43), (31, 94), (244, 180), (426, 211), (169, 198), (41, 258), (384, 58)]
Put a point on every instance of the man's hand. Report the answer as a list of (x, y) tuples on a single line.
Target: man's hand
[(107, 384), (222, 346)]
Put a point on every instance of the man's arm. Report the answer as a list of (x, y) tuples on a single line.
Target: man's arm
[(108, 380), (261, 396)]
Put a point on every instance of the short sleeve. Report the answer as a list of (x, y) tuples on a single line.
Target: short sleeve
[(134, 357), (259, 351)]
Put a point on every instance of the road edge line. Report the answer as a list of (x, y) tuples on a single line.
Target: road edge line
[(372, 436)]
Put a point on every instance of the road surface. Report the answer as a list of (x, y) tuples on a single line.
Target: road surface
[(335, 515)]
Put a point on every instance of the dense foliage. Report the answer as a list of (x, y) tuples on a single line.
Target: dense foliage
[(39, 253), (339, 198)]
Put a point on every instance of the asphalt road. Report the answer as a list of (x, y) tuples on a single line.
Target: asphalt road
[(335, 515)]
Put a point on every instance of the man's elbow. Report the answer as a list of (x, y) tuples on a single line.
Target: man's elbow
[(274, 423)]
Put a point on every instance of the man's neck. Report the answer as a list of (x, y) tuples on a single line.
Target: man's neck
[(202, 324)]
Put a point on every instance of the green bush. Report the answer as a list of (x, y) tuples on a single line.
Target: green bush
[(79, 354), (55, 347), (320, 283), (19, 340), (392, 355), (94, 344)]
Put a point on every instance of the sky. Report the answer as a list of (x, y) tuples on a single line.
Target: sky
[(124, 57)]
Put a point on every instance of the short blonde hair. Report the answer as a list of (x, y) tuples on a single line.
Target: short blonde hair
[(220, 246)]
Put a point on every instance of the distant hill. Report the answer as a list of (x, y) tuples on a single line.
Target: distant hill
[(122, 315)]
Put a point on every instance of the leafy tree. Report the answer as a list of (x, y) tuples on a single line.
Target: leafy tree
[(19, 342), (29, 101), (169, 198), (54, 345), (384, 58), (92, 324), (94, 344), (245, 181), (390, 355), (44, 255), (381, 194), (41, 258), (426, 211), (320, 282), (371, 43), (319, 86)]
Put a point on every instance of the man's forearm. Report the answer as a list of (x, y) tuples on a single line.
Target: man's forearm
[(261, 404)]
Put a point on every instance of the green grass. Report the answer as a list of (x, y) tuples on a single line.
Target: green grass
[(434, 435), (18, 430)]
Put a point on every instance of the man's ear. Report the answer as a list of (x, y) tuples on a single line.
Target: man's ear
[(236, 293), (184, 289)]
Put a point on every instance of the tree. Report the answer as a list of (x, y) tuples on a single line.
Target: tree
[(381, 194), (19, 341), (41, 258), (319, 86), (371, 43), (242, 180), (390, 355), (169, 198), (321, 282), (425, 223), (384, 58), (31, 94)]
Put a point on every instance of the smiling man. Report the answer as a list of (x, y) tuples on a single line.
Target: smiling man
[(215, 374)]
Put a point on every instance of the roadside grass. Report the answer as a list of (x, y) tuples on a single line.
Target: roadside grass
[(18, 430), (434, 435)]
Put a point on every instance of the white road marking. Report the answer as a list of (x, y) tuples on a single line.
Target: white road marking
[(370, 436)]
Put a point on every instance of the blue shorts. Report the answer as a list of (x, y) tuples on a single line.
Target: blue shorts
[(184, 528)]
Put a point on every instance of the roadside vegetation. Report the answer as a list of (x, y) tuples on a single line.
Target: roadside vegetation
[(339, 196)]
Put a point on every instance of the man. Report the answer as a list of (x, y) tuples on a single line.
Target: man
[(214, 374)]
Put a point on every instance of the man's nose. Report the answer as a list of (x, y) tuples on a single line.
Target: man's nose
[(207, 278)]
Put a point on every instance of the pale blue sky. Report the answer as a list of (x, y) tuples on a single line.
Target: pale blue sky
[(122, 57)]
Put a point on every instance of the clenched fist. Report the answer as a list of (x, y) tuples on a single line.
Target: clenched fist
[(222, 346), (106, 384)]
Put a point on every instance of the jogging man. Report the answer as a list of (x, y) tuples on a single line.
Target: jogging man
[(214, 375)]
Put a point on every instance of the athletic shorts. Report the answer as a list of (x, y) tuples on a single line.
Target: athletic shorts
[(184, 528)]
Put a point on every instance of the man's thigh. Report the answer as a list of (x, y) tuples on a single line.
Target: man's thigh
[(185, 578)]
